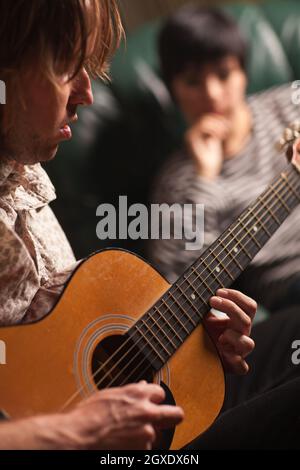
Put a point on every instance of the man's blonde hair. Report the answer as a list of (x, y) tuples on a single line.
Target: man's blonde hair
[(54, 34), (57, 32)]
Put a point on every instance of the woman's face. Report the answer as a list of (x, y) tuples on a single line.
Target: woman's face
[(215, 88)]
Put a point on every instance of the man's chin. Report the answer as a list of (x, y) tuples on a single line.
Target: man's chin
[(50, 154)]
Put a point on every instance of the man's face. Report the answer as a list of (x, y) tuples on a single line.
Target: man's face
[(37, 131), (216, 88)]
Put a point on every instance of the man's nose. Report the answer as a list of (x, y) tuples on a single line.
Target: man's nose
[(82, 93)]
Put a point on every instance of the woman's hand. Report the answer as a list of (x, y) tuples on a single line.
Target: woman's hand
[(231, 334), (204, 142)]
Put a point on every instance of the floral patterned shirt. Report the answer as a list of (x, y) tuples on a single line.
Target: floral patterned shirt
[(35, 256)]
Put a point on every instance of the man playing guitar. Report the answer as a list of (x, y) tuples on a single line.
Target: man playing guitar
[(47, 53)]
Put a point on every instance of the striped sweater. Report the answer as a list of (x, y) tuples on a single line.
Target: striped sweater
[(241, 180)]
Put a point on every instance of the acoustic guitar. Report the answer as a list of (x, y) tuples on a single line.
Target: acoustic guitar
[(119, 321)]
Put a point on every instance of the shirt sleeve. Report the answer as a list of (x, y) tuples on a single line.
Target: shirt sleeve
[(22, 298), (48, 295)]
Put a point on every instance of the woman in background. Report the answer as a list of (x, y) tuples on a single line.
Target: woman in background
[(228, 156)]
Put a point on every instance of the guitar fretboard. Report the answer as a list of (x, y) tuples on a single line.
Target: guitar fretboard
[(162, 330)]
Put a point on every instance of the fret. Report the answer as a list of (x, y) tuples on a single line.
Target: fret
[(148, 341), (185, 313), (249, 233), (165, 334), (280, 199), (171, 322), (221, 263), (165, 319), (148, 328), (155, 335), (269, 210), (230, 253), (186, 303), (284, 176), (239, 243), (203, 281), (168, 307), (194, 289), (188, 299), (259, 221), (212, 271)]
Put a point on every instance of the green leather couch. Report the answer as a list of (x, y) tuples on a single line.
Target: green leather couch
[(120, 142)]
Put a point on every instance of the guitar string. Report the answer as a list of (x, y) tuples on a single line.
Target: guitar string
[(201, 281), (268, 193), (137, 367), (103, 365)]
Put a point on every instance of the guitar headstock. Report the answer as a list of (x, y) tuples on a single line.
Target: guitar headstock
[(290, 142)]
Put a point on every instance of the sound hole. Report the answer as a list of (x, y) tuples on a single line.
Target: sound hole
[(117, 361)]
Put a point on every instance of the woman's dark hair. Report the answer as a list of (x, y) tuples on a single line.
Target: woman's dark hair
[(197, 35)]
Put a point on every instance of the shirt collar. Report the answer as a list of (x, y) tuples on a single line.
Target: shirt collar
[(25, 187)]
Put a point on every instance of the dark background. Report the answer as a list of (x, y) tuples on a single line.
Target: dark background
[(121, 141)]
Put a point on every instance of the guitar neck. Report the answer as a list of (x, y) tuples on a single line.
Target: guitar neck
[(179, 311), (222, 263)]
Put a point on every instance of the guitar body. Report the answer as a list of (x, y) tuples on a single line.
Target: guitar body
[(49, 363)]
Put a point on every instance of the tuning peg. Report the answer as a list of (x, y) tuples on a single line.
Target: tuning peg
[(289, 135)]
